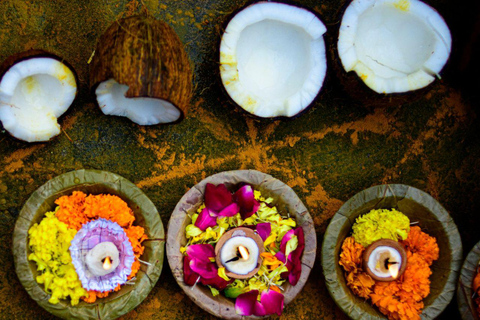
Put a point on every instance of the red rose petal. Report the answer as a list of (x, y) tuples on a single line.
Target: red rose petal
[(217, 197)]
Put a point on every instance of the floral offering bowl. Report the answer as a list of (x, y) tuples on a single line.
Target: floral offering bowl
[(91, 182), (419, 207), (465, 290), (285, 200)]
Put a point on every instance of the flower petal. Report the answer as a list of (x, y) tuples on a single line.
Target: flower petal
[(281, 256), (216, 282), (250, 213), (201, 252), (244, 197), (189, 276), (230, 210), (207, 270), (205, 220), (259, 309), (217, 197), (295, 258), (272, 302), (245, 303), (264, 230), (289, 235)]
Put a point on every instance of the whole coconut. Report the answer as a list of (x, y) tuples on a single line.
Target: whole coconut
[(140, 70)]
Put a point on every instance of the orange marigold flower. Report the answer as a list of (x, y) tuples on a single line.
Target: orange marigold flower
[(476, 281), (401, 299), (360, 283), (351, 255), (423, 244), (78, 209)]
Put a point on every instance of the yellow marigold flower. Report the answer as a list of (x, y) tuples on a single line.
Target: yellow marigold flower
[(49, 241)]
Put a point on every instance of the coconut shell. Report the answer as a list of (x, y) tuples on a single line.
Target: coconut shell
[(238, 107), (417, 206), (29, 54), (285, 200), (91, 182), (146, 55), (354, 86)]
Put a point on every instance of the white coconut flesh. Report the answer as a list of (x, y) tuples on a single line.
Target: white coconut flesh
[(33, 94), (393, 46), (272, 59), (143, 111)]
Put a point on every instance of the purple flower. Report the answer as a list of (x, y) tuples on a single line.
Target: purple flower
[(271, 302)]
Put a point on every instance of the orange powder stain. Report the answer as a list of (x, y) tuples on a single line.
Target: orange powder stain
[(186, 167), (452, 106), (320, 200), (377, 123), (212, 123), (14, 162)]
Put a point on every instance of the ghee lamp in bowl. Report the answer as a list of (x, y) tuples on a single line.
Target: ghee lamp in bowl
[(385, 260), (238, 251), (103, 259)]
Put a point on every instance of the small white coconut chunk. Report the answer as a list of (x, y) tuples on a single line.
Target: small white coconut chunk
[(393, 45), (272, 58), (143, 111), (33, 94)]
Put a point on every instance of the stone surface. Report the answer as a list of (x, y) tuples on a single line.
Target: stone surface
[(334, 150)]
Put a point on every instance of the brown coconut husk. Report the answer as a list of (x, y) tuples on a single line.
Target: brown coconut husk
[(146, 55), (285, 200)]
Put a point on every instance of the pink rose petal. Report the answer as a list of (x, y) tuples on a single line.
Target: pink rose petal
[(217, 197), (230, 210), (201, 252), (259, 309), (289, 235), (244, 197), (281, 256), (216, 282), (189, 276), (264, 230), (272, 301), (245, 303), (207, 270), (205, 220), (295, 258)]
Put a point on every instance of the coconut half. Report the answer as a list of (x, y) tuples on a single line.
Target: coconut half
[(272, 59), (33, 93), (141, 71), (393, 45)]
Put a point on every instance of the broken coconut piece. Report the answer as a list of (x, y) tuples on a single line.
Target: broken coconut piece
[(393, 45), (272, 59), (33, 93), (141, 71)]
